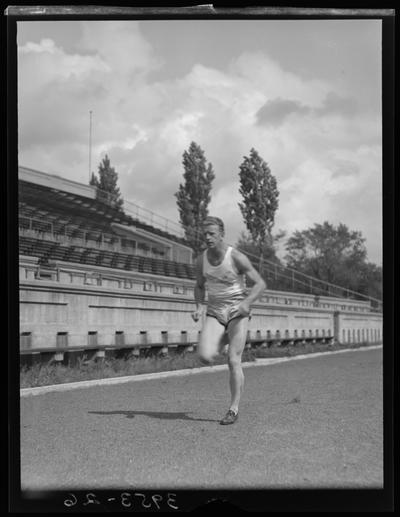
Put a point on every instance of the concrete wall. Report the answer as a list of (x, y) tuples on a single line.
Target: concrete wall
[(87, 306)]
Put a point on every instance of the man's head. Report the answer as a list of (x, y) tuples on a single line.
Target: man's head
[(213, 231)]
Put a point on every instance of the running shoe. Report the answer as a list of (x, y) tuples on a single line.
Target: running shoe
[(229, 418)]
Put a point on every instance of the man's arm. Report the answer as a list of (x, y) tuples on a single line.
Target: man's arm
[(245, 267), (199, 289)]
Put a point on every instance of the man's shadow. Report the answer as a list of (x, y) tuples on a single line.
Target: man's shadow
[(163, 415)]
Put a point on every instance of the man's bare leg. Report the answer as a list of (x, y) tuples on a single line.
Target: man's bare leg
[(211, 335), (237, 331)]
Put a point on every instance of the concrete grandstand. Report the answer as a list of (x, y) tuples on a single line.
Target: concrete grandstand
[(95, 279)]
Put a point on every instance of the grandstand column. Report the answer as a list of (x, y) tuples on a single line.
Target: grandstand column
[(30, 274), (336, 327), (58, 356), (164, 342), (100, 354)]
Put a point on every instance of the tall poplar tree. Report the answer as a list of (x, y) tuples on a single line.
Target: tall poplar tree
[(260, 194), (193, 196)]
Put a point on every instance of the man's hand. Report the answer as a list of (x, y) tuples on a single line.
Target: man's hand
[(196, 315), (244, 308)]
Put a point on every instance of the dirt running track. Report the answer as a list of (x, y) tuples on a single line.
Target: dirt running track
[(310, 423)]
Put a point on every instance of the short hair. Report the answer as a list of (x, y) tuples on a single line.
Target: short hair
[(215, 220)]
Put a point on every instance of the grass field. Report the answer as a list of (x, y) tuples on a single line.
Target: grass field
[(44, 374)]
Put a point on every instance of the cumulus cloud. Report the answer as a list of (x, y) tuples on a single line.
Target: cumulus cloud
[(318, 141), (274, 112), (46, 63), (339, 105), (270, 78), (56, 91), (337, 190), (121, 44)]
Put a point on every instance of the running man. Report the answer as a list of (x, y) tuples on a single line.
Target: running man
[(224, 269)]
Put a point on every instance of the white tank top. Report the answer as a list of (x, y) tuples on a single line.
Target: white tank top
[(223, 281)]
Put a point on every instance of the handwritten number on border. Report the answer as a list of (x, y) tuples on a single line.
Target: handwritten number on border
[(126, 500), (171, 500), (144, 499), (125, 496), (91, 499), (71, 502)]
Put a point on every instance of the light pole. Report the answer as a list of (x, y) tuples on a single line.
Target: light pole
[(90, 144)]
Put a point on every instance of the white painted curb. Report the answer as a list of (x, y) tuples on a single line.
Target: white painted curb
[(178, 373)]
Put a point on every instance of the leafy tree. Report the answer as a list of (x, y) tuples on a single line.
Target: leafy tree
[(193, 196), (258, 188), (334, 254), (107, 182), (370, 280)]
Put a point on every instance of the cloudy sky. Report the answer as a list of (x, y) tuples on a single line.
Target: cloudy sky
[(305, 93)]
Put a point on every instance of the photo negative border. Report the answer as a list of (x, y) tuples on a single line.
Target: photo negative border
[(195, 500)]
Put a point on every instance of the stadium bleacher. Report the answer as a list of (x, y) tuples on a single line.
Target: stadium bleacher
[(56, 217), (71, 213), (48, 251)]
